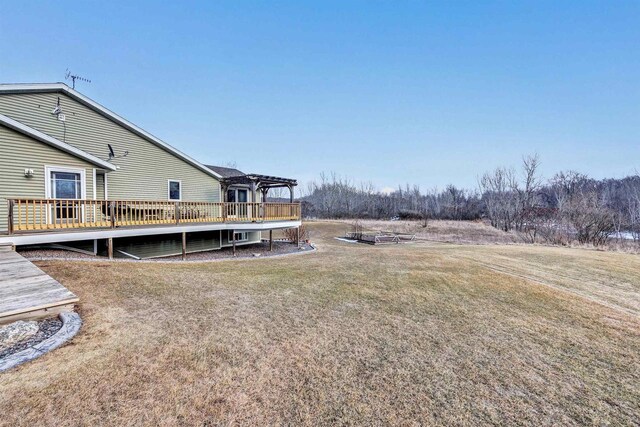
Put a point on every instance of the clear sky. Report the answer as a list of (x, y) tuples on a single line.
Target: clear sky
[(395, 92)]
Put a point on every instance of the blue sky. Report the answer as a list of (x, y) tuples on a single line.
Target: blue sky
[(425, 93)]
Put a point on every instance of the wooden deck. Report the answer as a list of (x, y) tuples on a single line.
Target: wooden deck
[(26, 292)]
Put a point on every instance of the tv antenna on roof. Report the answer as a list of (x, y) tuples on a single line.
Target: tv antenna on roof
[(73, 78)]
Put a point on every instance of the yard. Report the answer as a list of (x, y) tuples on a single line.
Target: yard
[(425, 333)]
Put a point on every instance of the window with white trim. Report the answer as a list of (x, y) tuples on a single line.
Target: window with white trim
[(240, 236), (66, 185), (175, 190)]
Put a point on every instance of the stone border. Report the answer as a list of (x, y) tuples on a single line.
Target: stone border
[(71, 323)]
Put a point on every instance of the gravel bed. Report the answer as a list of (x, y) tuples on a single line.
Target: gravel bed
[(46, 328), (243, 251), (248, 251), (39, 254)]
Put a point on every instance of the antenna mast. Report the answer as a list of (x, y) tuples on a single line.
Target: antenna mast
[(74, 77)]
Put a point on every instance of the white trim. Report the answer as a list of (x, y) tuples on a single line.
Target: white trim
[(169, 181), (106, 187), (234, 232), (61, 87), (53, 168), (47, 185), (42, 137), (95, 193), (70, 236)]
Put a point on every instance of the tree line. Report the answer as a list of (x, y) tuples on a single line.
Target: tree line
[(568, 206)]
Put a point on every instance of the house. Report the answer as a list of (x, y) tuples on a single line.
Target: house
[(73, 172)]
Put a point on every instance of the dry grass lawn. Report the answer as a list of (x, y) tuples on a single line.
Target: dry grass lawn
[(420, 334), (446, 231)]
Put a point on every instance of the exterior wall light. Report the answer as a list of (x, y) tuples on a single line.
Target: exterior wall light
[(28, 173)]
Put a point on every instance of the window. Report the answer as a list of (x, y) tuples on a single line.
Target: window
[(175, 190), (66, 185), (240, 236), (237, 195)]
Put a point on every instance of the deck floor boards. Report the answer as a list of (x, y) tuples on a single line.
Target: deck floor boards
[(25, 289)]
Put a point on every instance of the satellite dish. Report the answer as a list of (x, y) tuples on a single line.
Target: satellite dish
[(112, 154)]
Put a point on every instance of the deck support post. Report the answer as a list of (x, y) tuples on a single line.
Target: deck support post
[(233, 241), (184, 245), (110, 247), (270, 240), (298, 236)]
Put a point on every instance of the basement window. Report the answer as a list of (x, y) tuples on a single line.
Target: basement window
[(240, 236)]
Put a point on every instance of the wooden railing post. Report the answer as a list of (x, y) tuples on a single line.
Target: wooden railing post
[(10, 225), (224, 212), (177, 214), (112, 213)]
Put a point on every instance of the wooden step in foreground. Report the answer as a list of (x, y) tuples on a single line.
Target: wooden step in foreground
[(26, 292)]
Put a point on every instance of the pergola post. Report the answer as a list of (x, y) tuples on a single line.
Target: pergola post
[(223, 188), (290, 193), (254, 212), (253, 192)]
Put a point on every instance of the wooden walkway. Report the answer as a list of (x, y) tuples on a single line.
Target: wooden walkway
[(26, 292)]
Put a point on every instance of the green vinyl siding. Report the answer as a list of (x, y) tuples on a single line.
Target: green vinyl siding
[(142, 175), (19, 152), (100, 186), (167, 244)]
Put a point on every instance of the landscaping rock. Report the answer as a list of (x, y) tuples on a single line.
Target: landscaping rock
[(15, 332)]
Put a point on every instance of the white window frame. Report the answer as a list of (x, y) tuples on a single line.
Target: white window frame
[(169, 181), (241, 233), (64, 169), (48, 169)]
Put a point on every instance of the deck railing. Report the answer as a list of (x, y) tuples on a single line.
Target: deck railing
[(56, 214)]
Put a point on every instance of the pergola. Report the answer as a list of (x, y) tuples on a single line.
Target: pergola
[(262, 183)]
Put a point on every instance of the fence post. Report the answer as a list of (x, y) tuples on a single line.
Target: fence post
[(10, 225)]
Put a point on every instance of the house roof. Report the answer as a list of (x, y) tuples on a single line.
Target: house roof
[(225, 172), (72, 93), (43, 137)]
